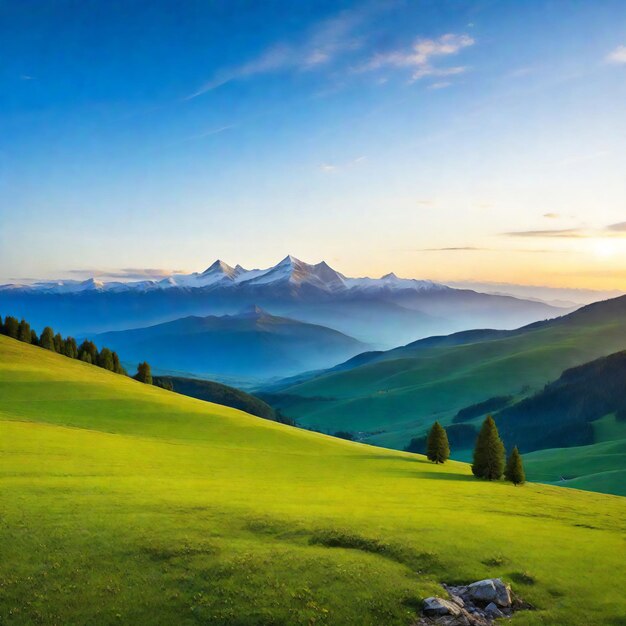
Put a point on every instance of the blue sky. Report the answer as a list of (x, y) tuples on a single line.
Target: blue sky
[(446, 140)]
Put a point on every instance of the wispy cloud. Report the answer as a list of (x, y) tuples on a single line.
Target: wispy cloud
[(564, 233), (331, 168), (320, 46), (614, 230), (551, 216), (125, 273), (617, 228), (211, 132), (440, 85), (617, 56), (456, 249), (420, 58)]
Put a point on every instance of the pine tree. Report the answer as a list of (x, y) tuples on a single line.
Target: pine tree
[(85, 356), (47, 339), (59, 344), (71, 349), (514, 471), (117, 366), (11, 326), (33, 338), (105, 359), (144, 374), (88, 347), (489, 452), (23, 331), (437, 447)]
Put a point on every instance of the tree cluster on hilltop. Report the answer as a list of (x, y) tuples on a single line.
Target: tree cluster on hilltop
[(67, 346)]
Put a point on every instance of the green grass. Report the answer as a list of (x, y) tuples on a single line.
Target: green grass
[(597, 467), (127, 504)]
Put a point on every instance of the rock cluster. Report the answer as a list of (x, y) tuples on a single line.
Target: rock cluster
[(477, 604)]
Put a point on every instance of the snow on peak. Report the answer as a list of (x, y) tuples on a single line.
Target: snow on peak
[(290, 271), (219, 267)]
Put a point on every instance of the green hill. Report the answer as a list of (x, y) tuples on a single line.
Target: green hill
[(218, 393), (391, 397), (124, 503)]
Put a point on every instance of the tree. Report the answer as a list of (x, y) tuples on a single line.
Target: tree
[(489, 452), (437, 446), (514, 471), (71, 349), (88, 347), (59, 344), (47, 339), (85, 356), (105, 359), (117, 366), (144, 374), (11, 326), (33, 338), (23, 331)]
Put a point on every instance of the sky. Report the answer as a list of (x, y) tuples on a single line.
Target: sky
[(448, 140)]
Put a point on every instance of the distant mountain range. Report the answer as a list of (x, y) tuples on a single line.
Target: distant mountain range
[(383, 312), (252, 345)]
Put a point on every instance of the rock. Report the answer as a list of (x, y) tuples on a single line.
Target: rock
[(490, 590), (492, 611), (457, 600), (435, 607)]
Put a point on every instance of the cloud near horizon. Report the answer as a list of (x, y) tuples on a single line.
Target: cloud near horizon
[(138, 273), (570, 233)]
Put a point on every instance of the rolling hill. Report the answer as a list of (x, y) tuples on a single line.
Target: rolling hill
[(123, 503), (210, 391), (252, 345), (391, 397)]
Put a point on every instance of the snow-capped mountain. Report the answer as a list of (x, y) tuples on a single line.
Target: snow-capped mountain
[(383, 312), (290, 271)]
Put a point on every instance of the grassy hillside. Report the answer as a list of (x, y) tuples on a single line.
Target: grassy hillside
[(127, 504), (398, 394), (211, 391)]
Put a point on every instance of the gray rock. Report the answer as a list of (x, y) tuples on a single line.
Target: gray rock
[(490, 590), (435, 607), (493, 611)]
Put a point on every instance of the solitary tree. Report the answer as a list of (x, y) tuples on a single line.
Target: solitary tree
[(489, 452), (47, 339), (23, 331), (514, 470), (437, 447), (144, 374), (11, 326)]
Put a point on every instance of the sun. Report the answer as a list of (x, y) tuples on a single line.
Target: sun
[(603, 248)]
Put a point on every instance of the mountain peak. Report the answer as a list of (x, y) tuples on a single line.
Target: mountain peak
[(220, 267), (289, 261)]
